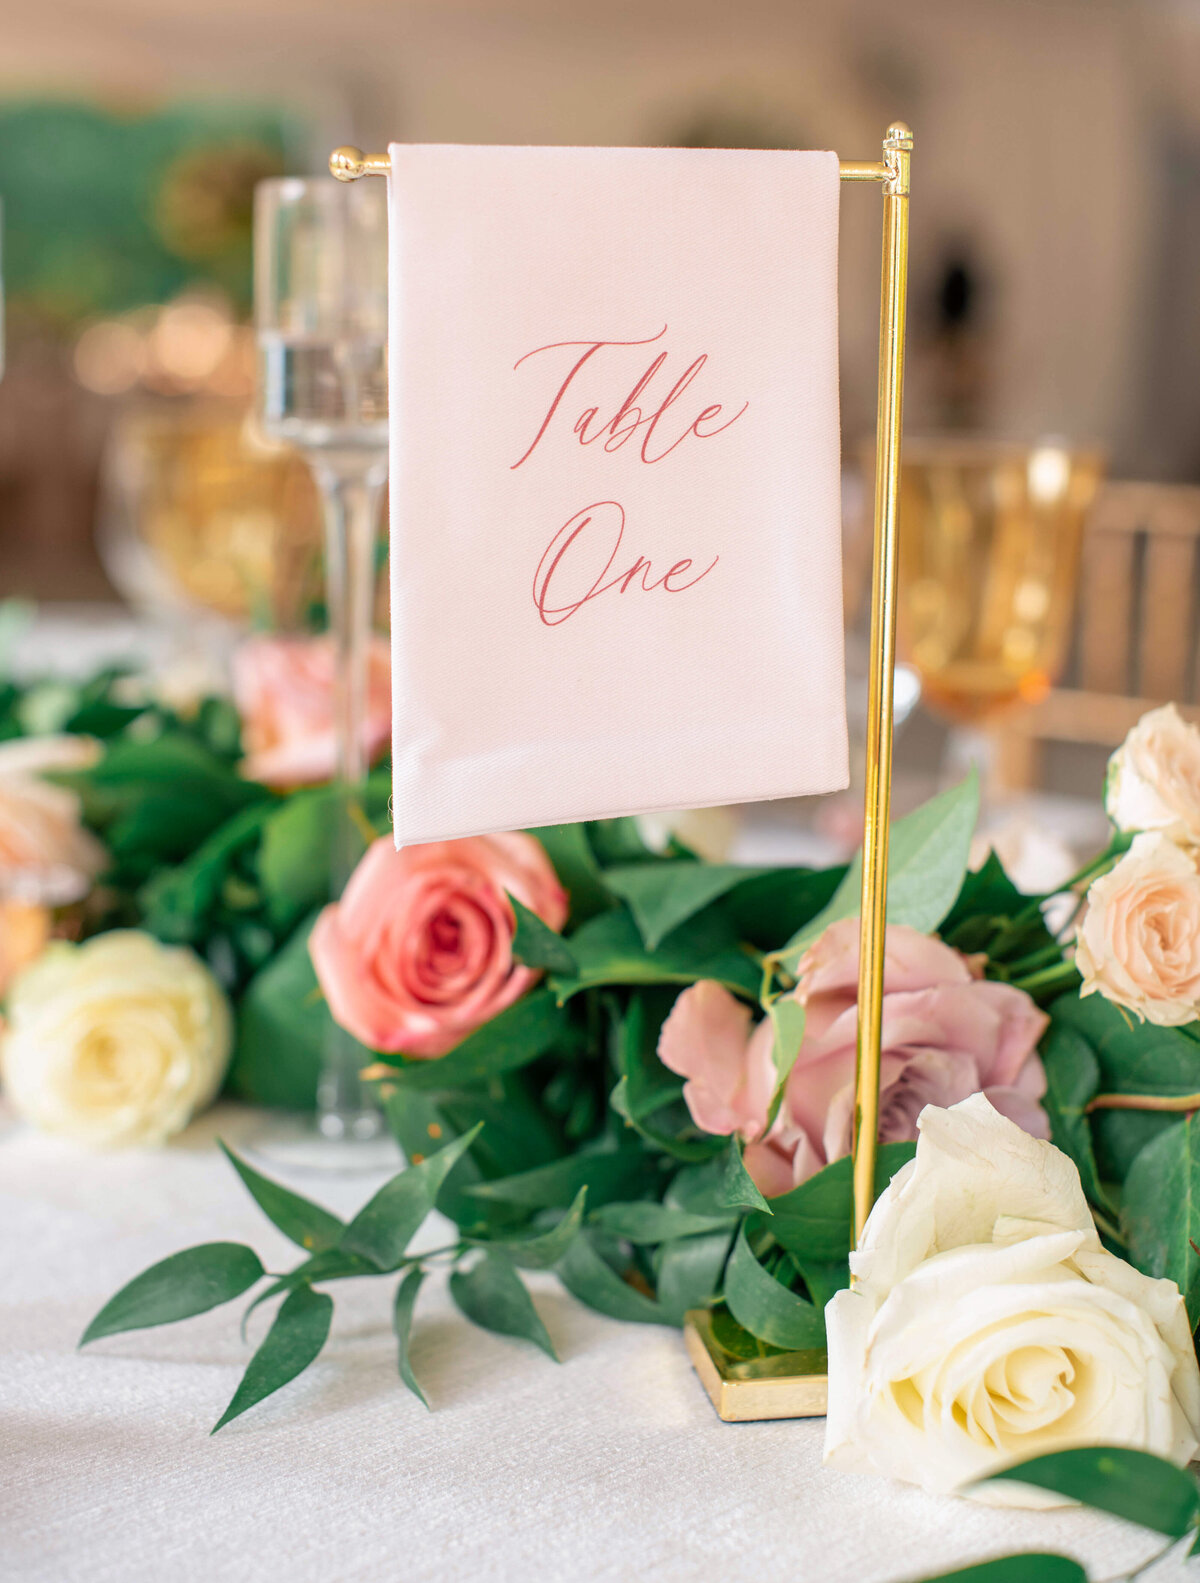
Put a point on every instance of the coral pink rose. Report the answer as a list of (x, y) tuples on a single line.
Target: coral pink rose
[(946, 1034), (418, 952), (283, 689)]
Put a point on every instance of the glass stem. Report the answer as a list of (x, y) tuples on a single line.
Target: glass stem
[(351, 487)]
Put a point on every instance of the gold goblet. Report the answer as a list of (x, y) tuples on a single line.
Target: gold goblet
[(989, 552), (202, 519)]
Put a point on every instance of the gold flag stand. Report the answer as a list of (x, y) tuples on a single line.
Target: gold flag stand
[(793, 1384)]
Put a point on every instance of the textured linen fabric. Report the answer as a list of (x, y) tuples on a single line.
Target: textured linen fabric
[(614, 483), (611, 1466)]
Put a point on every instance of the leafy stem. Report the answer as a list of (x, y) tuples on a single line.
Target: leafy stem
[(1063, 974), (1028, 914), (1168, 1102)]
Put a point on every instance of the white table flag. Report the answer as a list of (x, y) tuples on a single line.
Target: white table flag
[(615, 550)]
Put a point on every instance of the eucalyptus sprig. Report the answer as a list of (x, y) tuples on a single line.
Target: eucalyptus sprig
[(484, 1283), (1140, 1488)]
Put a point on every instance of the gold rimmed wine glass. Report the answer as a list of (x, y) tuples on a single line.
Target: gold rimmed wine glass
[(990, 539)]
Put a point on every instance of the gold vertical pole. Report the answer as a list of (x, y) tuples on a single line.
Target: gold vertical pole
[(897, 151)]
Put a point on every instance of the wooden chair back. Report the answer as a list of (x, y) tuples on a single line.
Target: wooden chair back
[(1135, 630)]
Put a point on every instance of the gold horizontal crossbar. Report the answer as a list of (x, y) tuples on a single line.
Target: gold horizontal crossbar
[(349, 163)]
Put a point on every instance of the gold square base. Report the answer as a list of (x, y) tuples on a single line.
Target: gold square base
[(743, 1390)]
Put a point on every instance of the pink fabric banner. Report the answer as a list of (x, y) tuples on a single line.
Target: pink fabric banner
[(616, 550)]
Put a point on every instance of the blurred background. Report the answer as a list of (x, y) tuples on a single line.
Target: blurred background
[(1053, 393)]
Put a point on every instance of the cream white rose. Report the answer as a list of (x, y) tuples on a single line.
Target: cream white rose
[(117, 1041), (45, 854), (1139, 941), (1154, 777), (988, 1324)]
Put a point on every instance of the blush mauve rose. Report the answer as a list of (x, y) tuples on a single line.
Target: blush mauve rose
[(283, 690), (418, 952), (946, 1034)]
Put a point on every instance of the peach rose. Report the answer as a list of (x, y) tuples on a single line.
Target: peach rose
[(24, 933), (946, 1034), (418, 952), (46, 856), (1154, 777), (1139, 942), (283, 689)]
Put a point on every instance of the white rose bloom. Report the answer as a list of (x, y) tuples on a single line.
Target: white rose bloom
[(1154, 777), (46, 857), (988, 1324), (118, 1041)]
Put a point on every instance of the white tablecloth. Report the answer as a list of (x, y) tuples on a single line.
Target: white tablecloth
[(610, 1466)]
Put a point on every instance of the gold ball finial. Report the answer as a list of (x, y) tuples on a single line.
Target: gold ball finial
[(347, 163), (898, 136)]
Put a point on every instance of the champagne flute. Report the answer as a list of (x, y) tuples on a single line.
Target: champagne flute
[(320, 300)]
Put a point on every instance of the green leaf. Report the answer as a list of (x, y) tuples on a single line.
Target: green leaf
[(516, 1135), (1028, 1566), (187, 1283), (536, 944), (927, 859), (823, 1280), (766, 1308), (700, 1189), (652, 1223), (156, 801), (1160, 1210), (738, 1190), (593, 1281), (1141, 1488), (669, 1128), (570, 851), (1134, 1057), (283, 1028), (661, 896), (648, 1096), (295, 859), (299, 1332), (306, 1224), (649, 1085), (618, 841), (177, 902), (772, 907), (607, 1176), (688, 1271), (737, 1340), (1072, 1080), (520, 1034), (981, 918), (402, 1316), (815, 1220), (383, 1228), (544, 1250), (491, 1294), (331, 1265), (609, 950), (787, 1018)]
